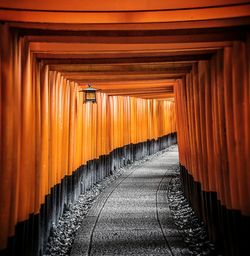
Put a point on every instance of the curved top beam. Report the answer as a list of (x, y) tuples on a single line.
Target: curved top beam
[(113, 5), (114, 17)]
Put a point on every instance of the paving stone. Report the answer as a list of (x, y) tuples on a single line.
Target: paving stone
[(127, 222), (137, 242)]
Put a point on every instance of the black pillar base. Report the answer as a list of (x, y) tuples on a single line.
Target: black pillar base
[(31, 236), (228, 229)]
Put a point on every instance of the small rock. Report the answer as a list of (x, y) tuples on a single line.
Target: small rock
[(193, 231)]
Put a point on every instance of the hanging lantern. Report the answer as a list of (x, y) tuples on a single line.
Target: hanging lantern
[(89, 94)]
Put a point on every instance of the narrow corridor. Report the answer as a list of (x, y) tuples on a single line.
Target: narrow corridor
[(88, 88)]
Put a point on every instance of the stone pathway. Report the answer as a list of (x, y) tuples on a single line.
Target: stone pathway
[(132, 216)]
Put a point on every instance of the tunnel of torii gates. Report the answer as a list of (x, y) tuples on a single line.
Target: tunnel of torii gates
[(163, 68)]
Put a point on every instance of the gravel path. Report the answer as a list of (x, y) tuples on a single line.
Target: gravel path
[(139, 210), (63, 233), (132, 216)]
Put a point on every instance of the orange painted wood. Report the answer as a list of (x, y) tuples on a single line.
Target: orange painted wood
[(85, 17), (47, 132), (212, 112)]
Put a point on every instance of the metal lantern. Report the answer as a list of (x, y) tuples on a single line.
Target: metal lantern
[(89, 94)]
